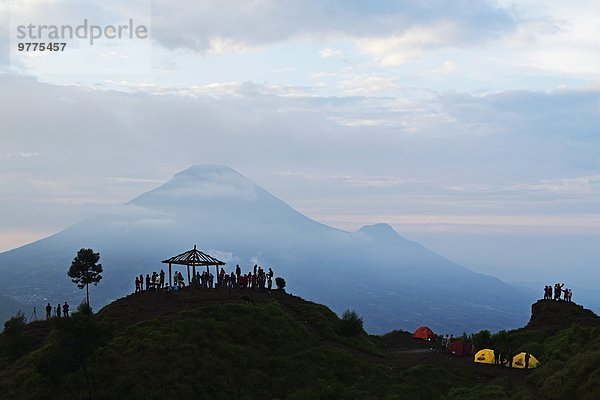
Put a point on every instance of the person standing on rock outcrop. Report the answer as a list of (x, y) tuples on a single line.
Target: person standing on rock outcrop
[(558, 291), (547, 292), (48, 311), (141, 283), (65, 309), (567, 295)]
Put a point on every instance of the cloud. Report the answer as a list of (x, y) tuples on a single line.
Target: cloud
[(194, 25), (513, 152), (368, 85), (554, 37), (409, 45), (332, 53), (582, 185)]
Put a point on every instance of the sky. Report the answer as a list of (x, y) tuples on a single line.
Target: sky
[(472, 127)]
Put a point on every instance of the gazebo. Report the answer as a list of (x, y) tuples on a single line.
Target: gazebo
[(193, 258)]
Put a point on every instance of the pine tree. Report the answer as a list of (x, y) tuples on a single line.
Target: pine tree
[(85, 270)]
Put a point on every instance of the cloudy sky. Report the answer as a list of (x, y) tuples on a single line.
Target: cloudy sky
[(470, 126)]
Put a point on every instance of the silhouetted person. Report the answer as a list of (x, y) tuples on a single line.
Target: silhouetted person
[(558, 291), (65, 309), (502, 357), (568, 294), (162, 278), (527, 357), (269, 282), (142, 283), (153, 280), (547, 292), (147, 281), (510, 358), (238, 272), (58, 311), (48, 311), (137, 284)]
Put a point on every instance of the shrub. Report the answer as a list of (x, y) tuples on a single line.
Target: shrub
[(351, 324), (14, 342), (280, 282), (85, 308), (481, 339)]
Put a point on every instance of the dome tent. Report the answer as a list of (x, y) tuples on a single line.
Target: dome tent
[(424, 332), (521, 361), (484, 356), (459, 348)]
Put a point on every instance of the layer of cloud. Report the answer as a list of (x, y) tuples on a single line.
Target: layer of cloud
[(197, 24), (512, 153)]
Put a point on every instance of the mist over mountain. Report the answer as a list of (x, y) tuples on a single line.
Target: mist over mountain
[(392, 282)]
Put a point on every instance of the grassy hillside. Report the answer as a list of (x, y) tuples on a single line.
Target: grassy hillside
[(222, 344)]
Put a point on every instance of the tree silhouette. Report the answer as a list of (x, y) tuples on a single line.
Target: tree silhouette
[(84, 270)]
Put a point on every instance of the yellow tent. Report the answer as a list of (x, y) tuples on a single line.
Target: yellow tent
[(519, 361), (485, 356)]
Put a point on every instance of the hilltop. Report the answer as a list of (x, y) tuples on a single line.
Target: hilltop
[(233, 344), (552, 316)]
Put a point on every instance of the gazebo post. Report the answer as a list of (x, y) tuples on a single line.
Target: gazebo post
[(217, 276), (194, 273), (188, 269), (170, 283)]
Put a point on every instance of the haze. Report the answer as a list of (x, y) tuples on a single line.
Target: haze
[(471, 127)]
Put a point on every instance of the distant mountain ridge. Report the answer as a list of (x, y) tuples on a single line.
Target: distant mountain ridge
[(393, 282)]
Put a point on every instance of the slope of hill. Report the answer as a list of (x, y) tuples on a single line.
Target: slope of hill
[(223, 344), (374, 270)]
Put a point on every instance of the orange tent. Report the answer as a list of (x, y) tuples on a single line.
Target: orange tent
[(424, 333)]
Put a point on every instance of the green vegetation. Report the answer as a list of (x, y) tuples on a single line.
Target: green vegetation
[(219, 344), (14, 342), (280, 283), (351, 324), (85, 270)]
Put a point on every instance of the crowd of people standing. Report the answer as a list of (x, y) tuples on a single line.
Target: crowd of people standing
[(257, 278), (557, 292)]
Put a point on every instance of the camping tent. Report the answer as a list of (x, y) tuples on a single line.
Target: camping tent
[(485, 356), (519, 361), (424, 333), (459, 348)]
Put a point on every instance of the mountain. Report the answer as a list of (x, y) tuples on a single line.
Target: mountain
[(392, 282)]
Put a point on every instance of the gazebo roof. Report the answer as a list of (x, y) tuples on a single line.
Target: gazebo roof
[(193, 257)]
